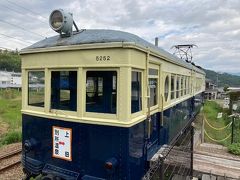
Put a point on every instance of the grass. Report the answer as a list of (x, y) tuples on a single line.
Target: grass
[(10, 116), (211, 109), (11, 137)]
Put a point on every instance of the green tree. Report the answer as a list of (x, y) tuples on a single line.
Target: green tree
[(225, 88), (10, 61)]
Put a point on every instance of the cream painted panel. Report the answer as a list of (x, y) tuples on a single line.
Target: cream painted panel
[(138, 59), (124, 100), (76, 58)]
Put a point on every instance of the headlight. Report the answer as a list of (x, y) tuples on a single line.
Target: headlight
[(61, 22), (56, 20)]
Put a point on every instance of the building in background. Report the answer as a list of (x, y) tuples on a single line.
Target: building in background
[(5, 79), (211, 90), (10, 79)]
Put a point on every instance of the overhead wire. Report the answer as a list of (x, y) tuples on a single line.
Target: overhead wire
[(14, 3), (19, 41), (25, 29), (7, 7), (22, 28)]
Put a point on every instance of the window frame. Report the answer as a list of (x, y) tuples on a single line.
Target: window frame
[(134, 114), (174, 86), (61, 112), (181, 85), (185, 86), (96, 115), (167, 76), (26, 97), (96, 77), (154, 76), (190, 85), (61, 89), (178, 86)]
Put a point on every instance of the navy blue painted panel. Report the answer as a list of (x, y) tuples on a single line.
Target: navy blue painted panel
[(176, 118), (94, 144), (136, 151)]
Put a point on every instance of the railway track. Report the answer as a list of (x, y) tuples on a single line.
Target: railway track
[(9, 160)]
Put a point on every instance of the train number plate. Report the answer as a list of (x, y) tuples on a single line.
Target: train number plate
[(62, 143)]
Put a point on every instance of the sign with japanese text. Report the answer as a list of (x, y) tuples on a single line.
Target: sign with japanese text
[(62, 143)]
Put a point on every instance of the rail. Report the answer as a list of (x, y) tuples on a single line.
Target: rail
[(13, 162)]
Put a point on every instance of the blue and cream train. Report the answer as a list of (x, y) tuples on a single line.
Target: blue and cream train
[(98, 104)]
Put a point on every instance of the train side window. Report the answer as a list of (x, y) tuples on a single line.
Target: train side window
[(36, 86), (172, 86), (136, 96), (101, 91), (189, 85), (166, 88), (64, 90), (177, 87), (182, 88), (185, 85), (153, 91)]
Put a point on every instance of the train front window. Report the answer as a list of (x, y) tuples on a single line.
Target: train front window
[(64, 90), (101, 91), (136, 97), (36, 88)]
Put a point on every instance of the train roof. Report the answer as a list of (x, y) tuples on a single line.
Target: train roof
[(92, 36)]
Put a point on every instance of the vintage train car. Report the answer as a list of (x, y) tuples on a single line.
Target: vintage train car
[(98, 104)]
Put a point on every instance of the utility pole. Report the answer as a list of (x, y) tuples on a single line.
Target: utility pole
[(202, 130), (232, 139)]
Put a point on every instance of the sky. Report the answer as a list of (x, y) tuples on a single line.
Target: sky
[(212, 25)]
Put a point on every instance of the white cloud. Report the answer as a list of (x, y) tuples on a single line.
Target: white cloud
[(213, 25)]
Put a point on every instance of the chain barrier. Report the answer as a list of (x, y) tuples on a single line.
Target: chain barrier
[(216, 139), (215, 128)]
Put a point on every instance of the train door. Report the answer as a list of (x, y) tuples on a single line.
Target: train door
[(153, 104)]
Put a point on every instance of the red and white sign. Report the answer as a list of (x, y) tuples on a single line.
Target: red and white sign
[(62, 143)]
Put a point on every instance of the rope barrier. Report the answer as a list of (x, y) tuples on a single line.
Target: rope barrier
[(216, 139), (218, 129)]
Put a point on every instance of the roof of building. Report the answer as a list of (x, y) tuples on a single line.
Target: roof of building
[(208, 80), (234, 89), (92, 36)]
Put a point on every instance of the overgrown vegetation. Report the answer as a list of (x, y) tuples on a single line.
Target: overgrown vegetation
[(234, 148), (211, 110), (10, 116)]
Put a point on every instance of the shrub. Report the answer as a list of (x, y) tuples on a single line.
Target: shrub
[(234, 148)]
